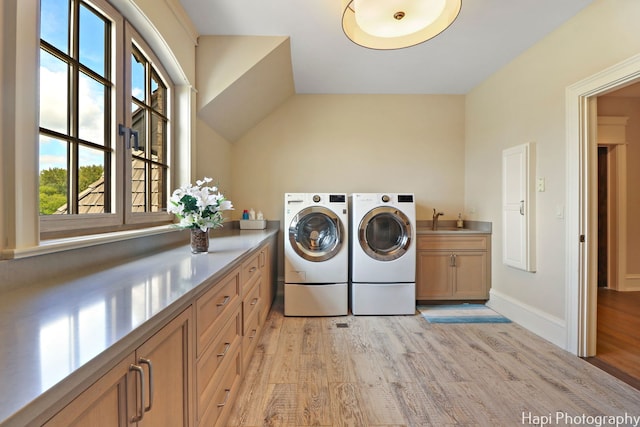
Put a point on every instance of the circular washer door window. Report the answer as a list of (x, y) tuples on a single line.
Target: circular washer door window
[(385, 233), (315, 233)]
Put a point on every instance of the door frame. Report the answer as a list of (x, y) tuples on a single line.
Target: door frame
[(581, 226)]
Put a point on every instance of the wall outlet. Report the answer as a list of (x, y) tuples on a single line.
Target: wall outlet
[(540, 185)]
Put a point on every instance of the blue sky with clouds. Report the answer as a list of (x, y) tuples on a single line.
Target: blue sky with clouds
[(54, 84)]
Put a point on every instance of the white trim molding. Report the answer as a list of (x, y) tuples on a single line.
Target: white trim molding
[(551, 328), (581, 238)]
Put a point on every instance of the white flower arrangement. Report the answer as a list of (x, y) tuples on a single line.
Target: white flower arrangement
[(199, 206)]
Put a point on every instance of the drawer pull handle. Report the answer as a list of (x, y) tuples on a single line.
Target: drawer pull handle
[(224, 302), (226, 397), (252, 269), (139, 415), (150, 365), (226, 348), (255, 301)]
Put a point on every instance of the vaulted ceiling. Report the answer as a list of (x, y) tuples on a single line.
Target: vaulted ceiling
[(487, 35)]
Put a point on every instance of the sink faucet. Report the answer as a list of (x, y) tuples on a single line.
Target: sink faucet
[(434, 223)]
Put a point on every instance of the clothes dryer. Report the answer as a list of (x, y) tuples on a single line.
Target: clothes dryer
[(316, 254), (383, 253)]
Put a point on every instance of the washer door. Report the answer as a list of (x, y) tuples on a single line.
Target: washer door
[(385, 233), (315, 233)]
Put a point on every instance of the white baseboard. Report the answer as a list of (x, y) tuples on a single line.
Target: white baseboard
[(549, 327), (630, 283)]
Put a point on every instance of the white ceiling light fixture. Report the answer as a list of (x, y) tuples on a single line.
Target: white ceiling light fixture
[(395, 24)]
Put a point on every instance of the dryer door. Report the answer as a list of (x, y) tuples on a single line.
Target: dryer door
[(315, 233), (385, 233)]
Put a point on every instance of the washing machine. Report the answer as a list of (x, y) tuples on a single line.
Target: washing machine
[(383, 253), (316, 254)]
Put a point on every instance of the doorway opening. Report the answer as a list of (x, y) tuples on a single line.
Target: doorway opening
[(618, 306), (582, 201)]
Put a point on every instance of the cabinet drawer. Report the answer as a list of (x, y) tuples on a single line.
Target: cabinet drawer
[(223, 398), (216, 356), (214, 306), (250, 305), (251, 336), (466, 242), (250, 271)]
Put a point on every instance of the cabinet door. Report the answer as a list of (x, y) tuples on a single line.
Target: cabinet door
[(267, 289), (104, 404), (470, 275), (169, 371), (435, 275)]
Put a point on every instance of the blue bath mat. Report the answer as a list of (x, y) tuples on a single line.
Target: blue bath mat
[(461, 313)]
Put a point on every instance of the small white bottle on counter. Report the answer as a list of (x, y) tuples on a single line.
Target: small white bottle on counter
[(252, 214)]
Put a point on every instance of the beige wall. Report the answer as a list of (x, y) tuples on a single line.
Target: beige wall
[(525, 101), (177, 32), (629, 107), (354, 143), (213, 157)]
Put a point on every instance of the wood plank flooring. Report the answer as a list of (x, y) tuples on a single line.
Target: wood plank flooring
[(618, 340), (402, 371)]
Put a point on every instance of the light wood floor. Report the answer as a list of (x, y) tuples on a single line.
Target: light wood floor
[(403, 371), (618, 340)]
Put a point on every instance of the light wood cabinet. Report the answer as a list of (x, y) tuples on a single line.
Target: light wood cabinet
[(229, 316), (168, 354), (268, 286), (159, 370), (252, 302), (215, 305), (104, 404), (190, 371), (219, 338), (453, 267)]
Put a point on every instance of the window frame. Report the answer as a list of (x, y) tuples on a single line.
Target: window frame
[(20, 226), (121, 217), (130, 217)]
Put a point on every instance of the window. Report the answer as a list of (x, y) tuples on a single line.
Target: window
[(149, 120), (104, 155)]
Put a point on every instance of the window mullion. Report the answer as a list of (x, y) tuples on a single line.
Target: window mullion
[(73, 103)]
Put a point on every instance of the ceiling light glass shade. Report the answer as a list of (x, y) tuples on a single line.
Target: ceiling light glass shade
[(394, 24)]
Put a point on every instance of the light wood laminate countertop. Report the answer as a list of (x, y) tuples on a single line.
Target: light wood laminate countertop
[(60, 335)]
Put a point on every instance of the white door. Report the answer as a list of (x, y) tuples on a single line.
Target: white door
[(518, 249)]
